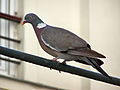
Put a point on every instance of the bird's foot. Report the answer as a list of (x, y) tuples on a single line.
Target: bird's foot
[(55, 59), (64, 62)]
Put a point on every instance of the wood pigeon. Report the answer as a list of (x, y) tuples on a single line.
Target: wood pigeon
[(63, 44)]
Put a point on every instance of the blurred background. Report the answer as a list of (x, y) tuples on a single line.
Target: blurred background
[(96, 21)]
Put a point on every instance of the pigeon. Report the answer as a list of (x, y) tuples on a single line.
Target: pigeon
[(63, 44)]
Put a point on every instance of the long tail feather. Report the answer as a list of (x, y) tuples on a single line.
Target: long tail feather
[(98, 61), (96, 66), (87, 53)]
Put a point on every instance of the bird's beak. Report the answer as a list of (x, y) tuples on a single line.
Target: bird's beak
[(23, 22)]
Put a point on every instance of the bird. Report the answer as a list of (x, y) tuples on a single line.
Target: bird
[(63, 44)]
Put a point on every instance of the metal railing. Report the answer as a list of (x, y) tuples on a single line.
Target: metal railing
[(10, 39), (9, 60), (10, 17), (58, 66)]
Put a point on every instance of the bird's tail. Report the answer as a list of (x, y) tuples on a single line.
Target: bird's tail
[(98, 61), (94, 64)]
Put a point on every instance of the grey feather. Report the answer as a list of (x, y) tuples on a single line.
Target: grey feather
[(96, 66), (86, 52), (61, 39)]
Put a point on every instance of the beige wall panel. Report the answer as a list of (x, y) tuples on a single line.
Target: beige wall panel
[(105, 37)]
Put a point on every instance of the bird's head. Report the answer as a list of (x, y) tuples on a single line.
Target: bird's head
[(32, 18)]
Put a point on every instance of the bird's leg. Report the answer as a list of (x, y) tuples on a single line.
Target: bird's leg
[(55, 59)]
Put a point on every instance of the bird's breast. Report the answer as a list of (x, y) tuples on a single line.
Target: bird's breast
[(43, 45)]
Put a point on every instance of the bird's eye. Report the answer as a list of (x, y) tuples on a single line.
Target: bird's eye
[(29, 18)]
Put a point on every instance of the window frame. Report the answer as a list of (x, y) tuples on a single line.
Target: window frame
[(6, 61)]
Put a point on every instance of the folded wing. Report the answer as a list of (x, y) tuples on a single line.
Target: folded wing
[(86, 52), (63, 40)]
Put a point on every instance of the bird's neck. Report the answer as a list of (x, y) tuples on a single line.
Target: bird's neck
[(38, 31), (38, 27)]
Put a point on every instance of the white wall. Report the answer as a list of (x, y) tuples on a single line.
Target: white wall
[(8, 83), (105, 38)]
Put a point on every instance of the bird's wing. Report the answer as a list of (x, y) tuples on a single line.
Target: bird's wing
[(61, 39), (86, 52)]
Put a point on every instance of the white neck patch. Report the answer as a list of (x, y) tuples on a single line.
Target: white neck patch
[(41, 25)]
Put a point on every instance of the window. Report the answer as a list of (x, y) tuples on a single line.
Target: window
[(8, 38)]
